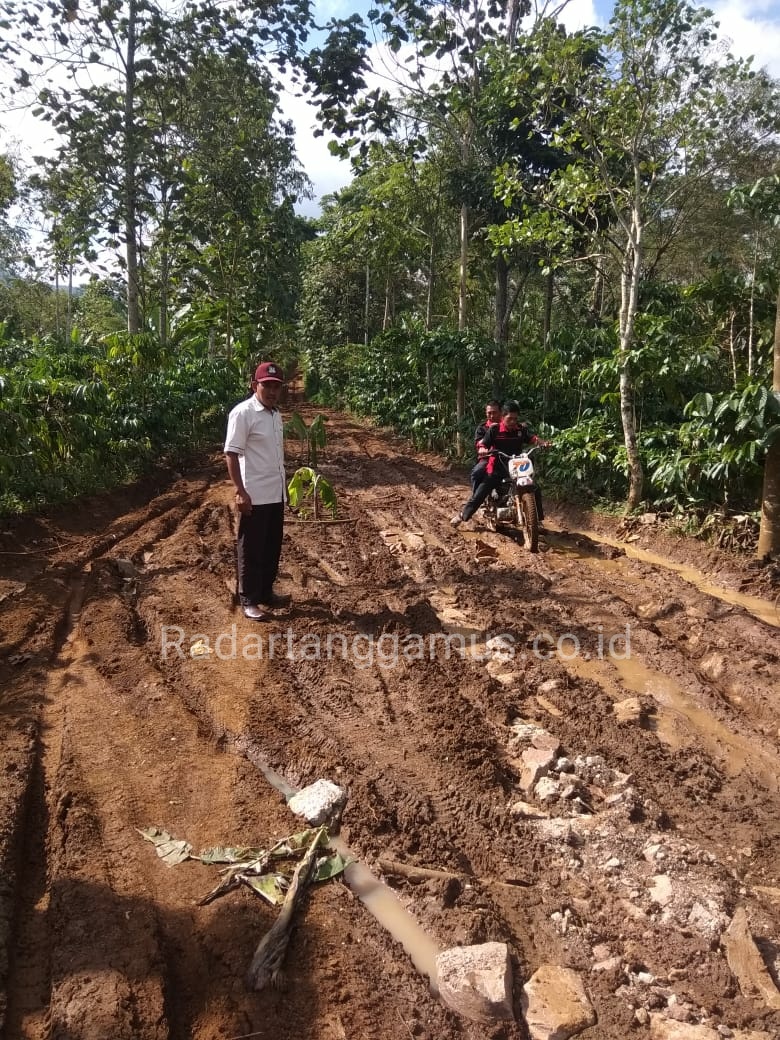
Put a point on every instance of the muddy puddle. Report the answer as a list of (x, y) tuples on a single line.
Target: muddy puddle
[(759, 608), (677, 720)]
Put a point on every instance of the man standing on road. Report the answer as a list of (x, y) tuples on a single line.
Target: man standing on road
[(254, 451)]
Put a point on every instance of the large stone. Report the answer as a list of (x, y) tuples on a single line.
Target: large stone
[(318, 802), (746, 963), (629, 710), (712, 666), (476, 981), (536, 764), (665, 1029), (547, 789), (661, 891), (555, 1004), (545, 741)]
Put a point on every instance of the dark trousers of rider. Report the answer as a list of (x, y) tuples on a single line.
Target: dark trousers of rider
[(478, 474), (483, 490)]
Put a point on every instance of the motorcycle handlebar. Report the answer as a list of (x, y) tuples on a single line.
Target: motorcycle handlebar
[(526, 451)]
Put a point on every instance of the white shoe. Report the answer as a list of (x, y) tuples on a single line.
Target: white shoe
[(255, 613), (457, 519)]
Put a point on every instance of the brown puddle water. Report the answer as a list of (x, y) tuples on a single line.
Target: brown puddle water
[(759, 608), (676, 714)]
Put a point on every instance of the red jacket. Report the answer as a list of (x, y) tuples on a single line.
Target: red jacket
[(511, 442)]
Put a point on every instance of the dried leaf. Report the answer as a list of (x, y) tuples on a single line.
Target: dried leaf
[(227, 884), (227, 854), (200, 649), (297, 842), (271, 887), (166, 846)]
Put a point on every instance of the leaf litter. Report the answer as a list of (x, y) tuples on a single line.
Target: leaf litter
[(266, 873)]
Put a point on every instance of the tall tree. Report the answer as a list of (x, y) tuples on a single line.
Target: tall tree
[(643, 131), (114, 56)]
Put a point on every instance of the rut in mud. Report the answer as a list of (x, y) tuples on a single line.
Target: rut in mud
[(414, 668)]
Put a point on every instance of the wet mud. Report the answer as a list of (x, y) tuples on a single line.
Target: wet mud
[(415, 668)]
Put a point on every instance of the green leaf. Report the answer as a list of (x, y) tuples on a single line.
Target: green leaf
[(167, 847), (330, 866)]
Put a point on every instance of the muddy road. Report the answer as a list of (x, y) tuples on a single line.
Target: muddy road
[(421, 669)]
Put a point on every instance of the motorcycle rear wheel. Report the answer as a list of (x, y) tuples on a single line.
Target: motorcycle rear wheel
[(527, 520)]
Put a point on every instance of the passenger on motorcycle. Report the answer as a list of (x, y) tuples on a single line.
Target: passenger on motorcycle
[(511, 437), (492, 418)]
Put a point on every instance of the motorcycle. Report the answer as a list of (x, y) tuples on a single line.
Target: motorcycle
[(514, 500)]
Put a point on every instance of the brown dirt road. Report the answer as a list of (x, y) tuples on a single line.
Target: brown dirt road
[(627, 867)]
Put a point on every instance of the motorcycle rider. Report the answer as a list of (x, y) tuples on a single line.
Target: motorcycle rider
[(492, 417), (510, 436)]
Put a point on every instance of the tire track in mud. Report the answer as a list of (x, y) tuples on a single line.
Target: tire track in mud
[(44, 702), (704, 690), (431, 756)]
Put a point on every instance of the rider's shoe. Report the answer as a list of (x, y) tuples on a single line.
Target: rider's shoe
[(456, 520)]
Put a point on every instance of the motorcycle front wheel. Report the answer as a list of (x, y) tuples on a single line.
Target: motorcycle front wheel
[(527, 520), (489, 510)]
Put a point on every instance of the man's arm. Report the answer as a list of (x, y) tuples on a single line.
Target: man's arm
[(243, 500), (479, 433), (489, 439)]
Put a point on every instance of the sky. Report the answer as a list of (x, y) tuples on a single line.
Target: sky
[(751, 27)]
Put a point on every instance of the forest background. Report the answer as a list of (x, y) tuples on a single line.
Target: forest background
[(585, 219)]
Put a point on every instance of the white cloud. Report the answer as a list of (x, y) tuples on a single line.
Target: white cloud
[(579, 14), (751, 27), (327, 172)]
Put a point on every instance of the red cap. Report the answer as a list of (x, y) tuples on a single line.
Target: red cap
[(268, 372)]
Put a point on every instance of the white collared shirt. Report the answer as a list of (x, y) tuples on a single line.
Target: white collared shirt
[(254, 433)]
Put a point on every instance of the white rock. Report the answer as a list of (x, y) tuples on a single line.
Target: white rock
[(663, 1029), (476, 981), (527, 809), (547, 789), (536, 763), (661, 890), (318, 802), (549, 687), (608, 964), (556, 1005), (712, 666), (710, 922)]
